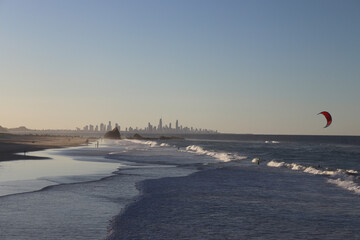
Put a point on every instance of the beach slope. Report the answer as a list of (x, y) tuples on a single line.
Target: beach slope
[(16, 147)]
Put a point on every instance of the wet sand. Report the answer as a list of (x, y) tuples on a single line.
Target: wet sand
[(16, 147)]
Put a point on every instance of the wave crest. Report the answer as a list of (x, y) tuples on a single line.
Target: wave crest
[(339, 177), (275, 164), (272, 142), (222, 156), (148, 142), (346, 183)]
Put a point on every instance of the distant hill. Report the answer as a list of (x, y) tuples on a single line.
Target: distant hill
[(2, 129), (19, 129)]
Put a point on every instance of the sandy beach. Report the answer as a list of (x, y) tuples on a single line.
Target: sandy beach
[(11, 144)]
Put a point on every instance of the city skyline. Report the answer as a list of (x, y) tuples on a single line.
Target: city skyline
[(160, 128)]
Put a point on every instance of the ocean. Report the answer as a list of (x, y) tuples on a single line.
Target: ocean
[(222, 186)]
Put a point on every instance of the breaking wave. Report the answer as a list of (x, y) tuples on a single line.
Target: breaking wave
[(346, 179), (222, 156), (194, 149), (346, 182), (147, 142), (275, 164)]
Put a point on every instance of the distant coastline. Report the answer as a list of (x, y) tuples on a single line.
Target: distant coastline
[(69, 132), (101, 129)]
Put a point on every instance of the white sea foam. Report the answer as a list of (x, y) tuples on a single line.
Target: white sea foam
[(352, 171), (275, 164), (145, 142), (339, 177), (318, 171), (148, 142), (135, 141), (348, 184), (222, 156), (299, 167), (272, 142), (151, 143), (194, 149)]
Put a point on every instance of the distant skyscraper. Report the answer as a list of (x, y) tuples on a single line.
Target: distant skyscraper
[(160, 125), (177, 125), (109, 128)]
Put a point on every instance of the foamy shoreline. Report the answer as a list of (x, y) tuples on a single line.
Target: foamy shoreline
[(85, 203)]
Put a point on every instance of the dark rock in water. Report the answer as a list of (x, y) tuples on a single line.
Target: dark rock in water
[(114, 134), (137, 136), (170, 138)]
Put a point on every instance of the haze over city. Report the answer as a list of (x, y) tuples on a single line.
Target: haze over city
[(162, 127), (265, 67)]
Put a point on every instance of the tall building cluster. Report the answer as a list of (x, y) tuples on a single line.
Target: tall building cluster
[(98, 128), (160, 128)]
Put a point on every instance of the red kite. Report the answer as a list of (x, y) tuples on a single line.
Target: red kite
[(328, 118)]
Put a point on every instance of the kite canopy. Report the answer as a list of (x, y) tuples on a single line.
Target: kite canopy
[(328, 118)]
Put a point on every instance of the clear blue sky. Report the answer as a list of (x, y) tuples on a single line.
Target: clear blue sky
[(235, 66)]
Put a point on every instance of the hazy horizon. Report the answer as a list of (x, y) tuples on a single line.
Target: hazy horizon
[(252, 67)]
